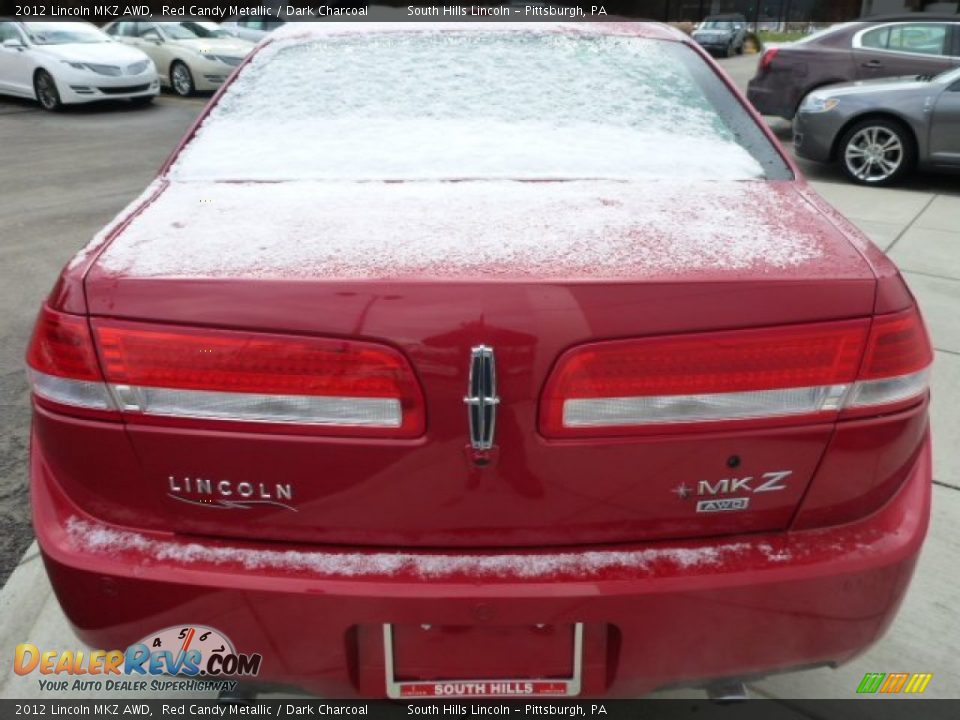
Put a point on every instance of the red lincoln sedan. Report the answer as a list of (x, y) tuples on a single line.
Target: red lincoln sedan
[(487, 360)]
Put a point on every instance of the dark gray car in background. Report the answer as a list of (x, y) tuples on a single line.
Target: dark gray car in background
[(881, 130), (917, 44), (722, 34)]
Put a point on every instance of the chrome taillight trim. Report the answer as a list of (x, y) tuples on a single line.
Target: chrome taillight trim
[(64, 391), (259, 408), (665, 409), (868, 393), (200, 404)]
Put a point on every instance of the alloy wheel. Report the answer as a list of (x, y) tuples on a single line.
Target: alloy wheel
[(182, 82), (874, 154), (47, 92)]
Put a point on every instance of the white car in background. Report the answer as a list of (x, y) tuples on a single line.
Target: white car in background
[(190, 55), (62, 63)]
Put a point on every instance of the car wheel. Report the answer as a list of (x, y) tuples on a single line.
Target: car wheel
[(45, 88), (877, 152), (181, 79)]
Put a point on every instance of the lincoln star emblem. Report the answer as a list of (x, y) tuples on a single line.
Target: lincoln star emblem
[(481, 398)]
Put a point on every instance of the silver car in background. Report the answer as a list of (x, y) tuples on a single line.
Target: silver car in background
[(190, 55), (882, 130)]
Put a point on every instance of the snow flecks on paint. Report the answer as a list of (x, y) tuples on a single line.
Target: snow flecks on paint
[(96, 538)]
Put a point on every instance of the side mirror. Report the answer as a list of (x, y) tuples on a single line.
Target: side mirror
[(14, 44)]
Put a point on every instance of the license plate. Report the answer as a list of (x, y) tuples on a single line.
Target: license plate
[(481, 688)]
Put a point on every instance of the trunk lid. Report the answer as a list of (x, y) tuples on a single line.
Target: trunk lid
[(436, 269)]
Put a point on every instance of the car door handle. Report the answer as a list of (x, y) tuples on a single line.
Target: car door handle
[(873, 64)]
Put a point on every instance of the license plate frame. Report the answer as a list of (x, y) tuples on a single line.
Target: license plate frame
[(489, 688)]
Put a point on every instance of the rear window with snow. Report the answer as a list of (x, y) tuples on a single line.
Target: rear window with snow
[(478, 105)]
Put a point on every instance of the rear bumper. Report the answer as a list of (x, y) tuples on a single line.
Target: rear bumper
[(715, 46), (662, 615), (772, 96)]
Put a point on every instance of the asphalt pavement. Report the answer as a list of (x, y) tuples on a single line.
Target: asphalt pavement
[(63, 176)]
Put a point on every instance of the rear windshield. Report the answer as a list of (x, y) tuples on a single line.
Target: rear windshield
[(478, 105)]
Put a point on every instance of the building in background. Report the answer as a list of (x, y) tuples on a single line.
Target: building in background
[(777, 11), (884, 7), (768, 12)]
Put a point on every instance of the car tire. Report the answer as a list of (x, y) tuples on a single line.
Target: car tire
[(45, 89), (877, 152), (181, 79), (731, 51)]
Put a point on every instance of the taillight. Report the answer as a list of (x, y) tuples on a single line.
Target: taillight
[(174, 374), (767, 58), (896, 366), (789, 374), (62, 364)]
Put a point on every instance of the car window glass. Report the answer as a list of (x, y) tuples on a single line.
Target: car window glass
[(149, 32), (254, 24), (8, 32), (877, 39), (181, 30), (205, 29), (923, 39), (614, 107)]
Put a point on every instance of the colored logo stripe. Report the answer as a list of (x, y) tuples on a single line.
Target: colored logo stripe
[(918, 683), (894, 683), (871, 683)]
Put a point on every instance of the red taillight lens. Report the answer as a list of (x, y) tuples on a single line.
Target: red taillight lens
[(61, 346), (62, 365), (715, 362), (225, 361), (807, 372), (896, 365), (767, 57), (337, 386), (898, 345)]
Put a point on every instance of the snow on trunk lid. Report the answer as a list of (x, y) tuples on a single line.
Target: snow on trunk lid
[(469, 230)]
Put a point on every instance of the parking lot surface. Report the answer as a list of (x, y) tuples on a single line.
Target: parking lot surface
[(63, 176)]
